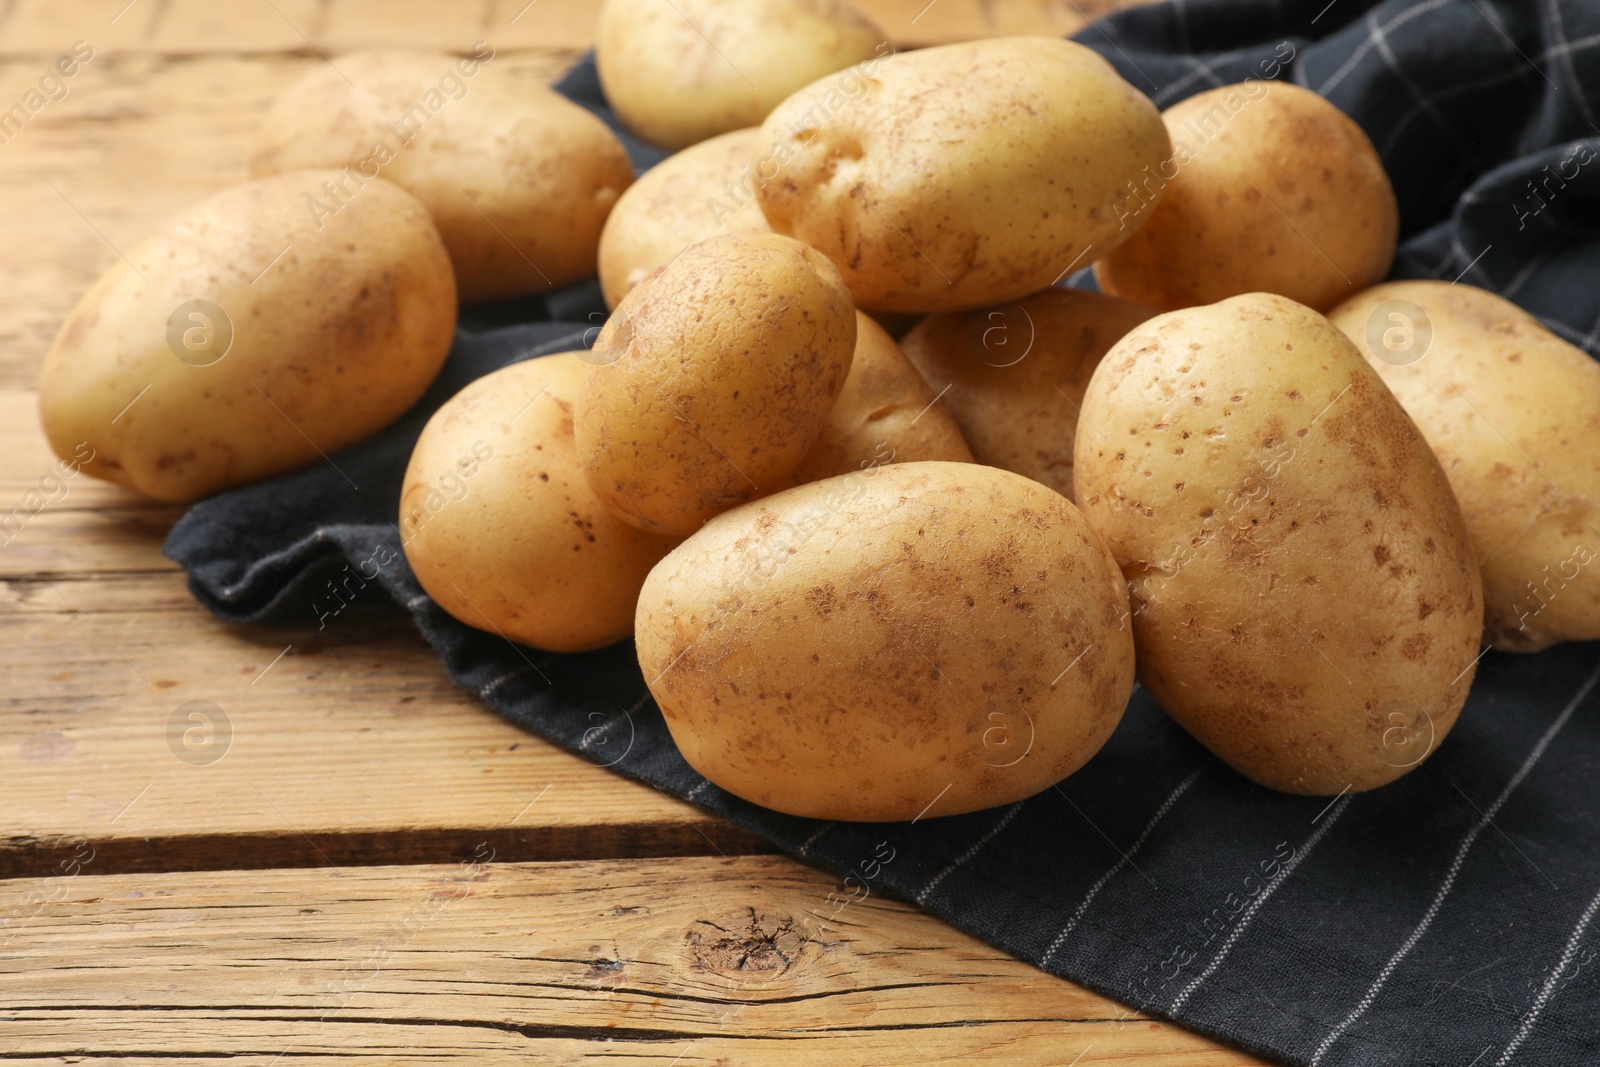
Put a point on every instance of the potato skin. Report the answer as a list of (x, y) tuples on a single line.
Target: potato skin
[(1270, 188), (727, 364), (518, 179), (500, 526), (1017, 373), (1496, 394), (844, 649), (335, 333), (1307, 604), (885, 414), (963, 175), (698, 193), (680, 71)]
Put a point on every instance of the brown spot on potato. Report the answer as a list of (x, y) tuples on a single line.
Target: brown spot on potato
[(1416, 647)]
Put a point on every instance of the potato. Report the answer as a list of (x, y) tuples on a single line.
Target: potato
[(959, 176), (1016, 374), (500, 526), (243, 340), (1307, 604), (518, 178), (1269, 188), (885, 414), (924, 638), (712, 380), (1513, 413), (698, 193), (680, 71)]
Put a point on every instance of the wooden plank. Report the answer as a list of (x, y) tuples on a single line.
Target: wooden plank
[(54, 523), (63, 540), (679, 961), (351, 747)]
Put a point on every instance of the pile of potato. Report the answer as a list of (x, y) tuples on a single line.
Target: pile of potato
[(864, 574)]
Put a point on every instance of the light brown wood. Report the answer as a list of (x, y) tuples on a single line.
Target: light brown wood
[(353, 750), (342, 746), (347, 743), (686, 961)]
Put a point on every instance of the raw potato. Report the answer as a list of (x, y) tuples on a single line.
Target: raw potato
[(1016, 374), (243, 341), (722, 372), (963, 175), (696, 194), (518, 178), (847, 649), (1270, 188), (500, 526), (1497, 395), (1306, 602), (885, 414), (680, 71)]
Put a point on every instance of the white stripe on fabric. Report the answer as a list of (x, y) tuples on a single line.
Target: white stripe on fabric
[(1094, 890), (550, 347), (1517, 73), (1459, 251), (1004, 821), (1415, 11), (591, 734), (517, 672), (1202, 70), (1182, 8), (1455, 869), (1564, 49), (1526, 272), (1559, 327), (1492, 17), (1549, 988), (1255, 905), (1381, 39), (1582, 44), (814, 838), (1591, 338)]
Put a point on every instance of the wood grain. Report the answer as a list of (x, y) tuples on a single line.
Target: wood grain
[(352, 746), (679, 961)]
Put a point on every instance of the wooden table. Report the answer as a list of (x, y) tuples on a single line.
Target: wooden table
[(370, 863)]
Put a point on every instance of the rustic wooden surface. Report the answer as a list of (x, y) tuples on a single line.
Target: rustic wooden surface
[(686, 961), (376, 865)]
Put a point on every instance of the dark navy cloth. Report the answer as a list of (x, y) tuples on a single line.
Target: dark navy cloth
[(1449, 918)]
